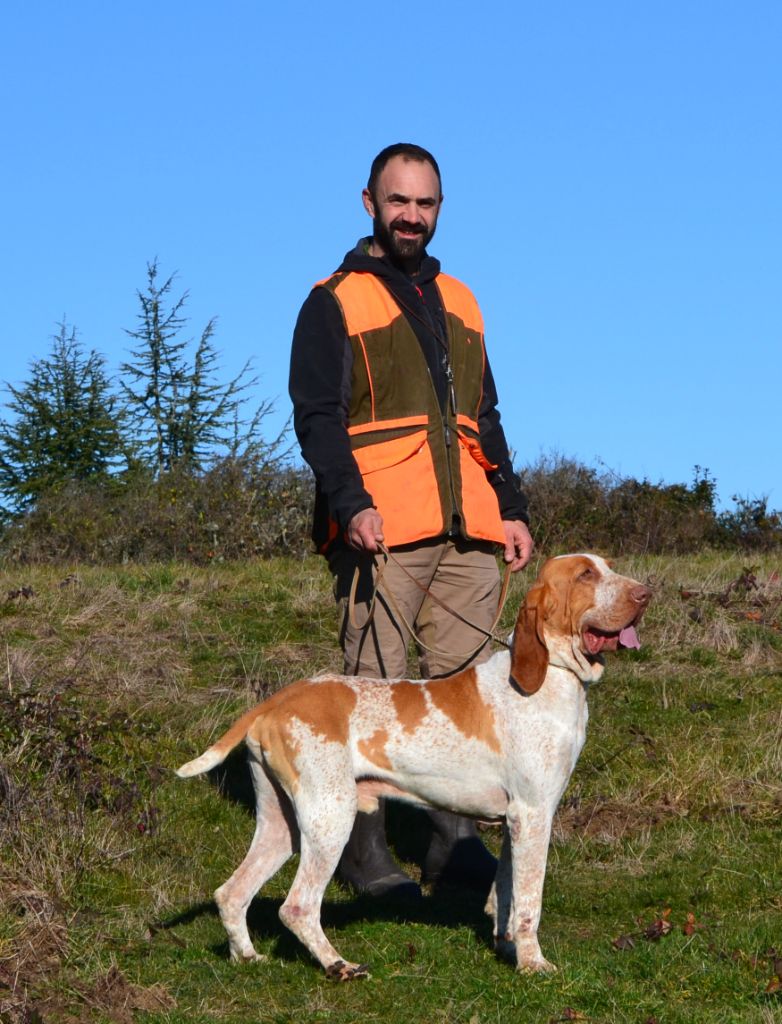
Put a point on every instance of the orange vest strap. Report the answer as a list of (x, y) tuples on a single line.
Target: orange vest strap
[(458, 299), (366, 303)]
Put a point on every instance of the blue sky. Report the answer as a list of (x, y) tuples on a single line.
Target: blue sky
[(612, 195)]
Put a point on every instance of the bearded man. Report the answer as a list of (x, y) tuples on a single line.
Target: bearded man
[(395, 409)]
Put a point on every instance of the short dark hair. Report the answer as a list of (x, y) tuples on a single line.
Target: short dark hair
[(409, 151)]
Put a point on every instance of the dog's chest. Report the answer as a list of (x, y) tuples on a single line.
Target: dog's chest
[(543, 737)]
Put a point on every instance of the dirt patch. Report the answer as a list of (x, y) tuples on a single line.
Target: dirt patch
[(41, 940), (29, 979), (35, 952), (610, 820), (113, 996), (33, 987)]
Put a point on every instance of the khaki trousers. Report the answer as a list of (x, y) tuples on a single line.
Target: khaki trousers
[(463, 574)]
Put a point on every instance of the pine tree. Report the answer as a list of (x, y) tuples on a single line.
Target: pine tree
[(66, 424), (182, 416)]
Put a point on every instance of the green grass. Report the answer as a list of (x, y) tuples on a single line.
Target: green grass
[(663, 897)]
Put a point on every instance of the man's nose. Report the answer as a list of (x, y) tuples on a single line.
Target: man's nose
[(412, 214)]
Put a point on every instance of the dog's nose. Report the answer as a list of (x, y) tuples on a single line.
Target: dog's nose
[(641, 594)]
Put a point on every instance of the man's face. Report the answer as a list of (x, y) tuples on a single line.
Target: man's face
[(404, 209)]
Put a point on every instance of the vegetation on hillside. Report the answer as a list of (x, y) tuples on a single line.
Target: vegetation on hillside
[(662, 899), (261, 505), (74, 435)]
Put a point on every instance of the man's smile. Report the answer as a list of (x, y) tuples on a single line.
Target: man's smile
[(408, 230)]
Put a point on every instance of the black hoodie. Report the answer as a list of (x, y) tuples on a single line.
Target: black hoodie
[(319, 385)]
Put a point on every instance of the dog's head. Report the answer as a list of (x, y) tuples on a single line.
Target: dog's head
[(577, 608)]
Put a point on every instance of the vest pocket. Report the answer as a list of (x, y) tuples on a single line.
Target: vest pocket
[(399, 474), (473, 446), (479, 501)]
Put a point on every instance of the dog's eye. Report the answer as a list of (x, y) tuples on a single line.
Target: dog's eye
[(588, 574)]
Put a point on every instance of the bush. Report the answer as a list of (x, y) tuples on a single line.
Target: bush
[(751, 525), (243, 508), (575, 507), (566, 502), (234, 510)]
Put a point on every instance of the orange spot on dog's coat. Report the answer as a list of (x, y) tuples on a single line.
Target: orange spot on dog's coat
[(374, 749), (409, 704), (458, 698)]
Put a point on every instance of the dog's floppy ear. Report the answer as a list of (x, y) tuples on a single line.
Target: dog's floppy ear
[(529, 658)]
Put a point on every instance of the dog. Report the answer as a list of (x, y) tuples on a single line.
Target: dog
[(498, 741)]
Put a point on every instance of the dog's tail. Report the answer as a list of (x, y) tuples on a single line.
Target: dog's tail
[(218, 752)]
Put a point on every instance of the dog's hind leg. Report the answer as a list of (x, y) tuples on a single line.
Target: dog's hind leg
[(325, 817), (499, 905), (272, 845)]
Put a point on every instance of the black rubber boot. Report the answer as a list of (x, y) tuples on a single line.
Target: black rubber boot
[(366, 864), (456, 855)]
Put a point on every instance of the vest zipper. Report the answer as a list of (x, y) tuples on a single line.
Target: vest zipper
[(451, 530), (450, 397)]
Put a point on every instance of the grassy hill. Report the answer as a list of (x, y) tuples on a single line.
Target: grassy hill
[(663, 899)]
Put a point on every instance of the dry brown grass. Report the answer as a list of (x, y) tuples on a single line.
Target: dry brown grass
[(127, 671)]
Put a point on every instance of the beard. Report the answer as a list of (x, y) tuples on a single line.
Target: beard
[(402, 250)]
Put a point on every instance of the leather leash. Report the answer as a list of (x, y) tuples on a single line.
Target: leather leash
[(489, 634)]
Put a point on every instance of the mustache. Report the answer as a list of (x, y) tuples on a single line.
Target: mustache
[(403, 225)]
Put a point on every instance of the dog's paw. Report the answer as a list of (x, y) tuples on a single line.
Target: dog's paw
[(248, 957), (341, 971), (539, 965)]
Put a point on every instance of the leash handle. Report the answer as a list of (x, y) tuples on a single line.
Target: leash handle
[(489, 634), (352, 596)]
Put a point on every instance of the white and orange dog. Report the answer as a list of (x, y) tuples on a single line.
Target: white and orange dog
[(498, 741)]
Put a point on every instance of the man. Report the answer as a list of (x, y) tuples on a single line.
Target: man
[(395, 410)]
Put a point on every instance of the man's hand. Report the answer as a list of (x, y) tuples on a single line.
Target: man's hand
[(365, 530), (518, 543)]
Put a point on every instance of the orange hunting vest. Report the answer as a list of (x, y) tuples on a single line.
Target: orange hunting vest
[(421, 466)]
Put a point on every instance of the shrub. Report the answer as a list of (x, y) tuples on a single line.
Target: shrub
[(566, 502), (576, 507), (751, 525), (260, 507), (234, 510)]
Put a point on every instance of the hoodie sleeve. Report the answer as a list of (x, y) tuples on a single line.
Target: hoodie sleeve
[(511, 498), (319, 386)]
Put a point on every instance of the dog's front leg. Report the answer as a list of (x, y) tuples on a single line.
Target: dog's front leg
[(528, 833)]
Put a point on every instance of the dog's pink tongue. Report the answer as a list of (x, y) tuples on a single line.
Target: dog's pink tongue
[(629, 638)]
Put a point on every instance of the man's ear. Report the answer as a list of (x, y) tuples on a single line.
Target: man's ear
[(529, 658), (369, 202)]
